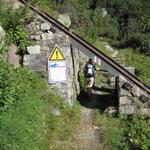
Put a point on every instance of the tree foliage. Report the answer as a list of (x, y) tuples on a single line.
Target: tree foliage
[(13, 21), (127, 21), (134, 21)]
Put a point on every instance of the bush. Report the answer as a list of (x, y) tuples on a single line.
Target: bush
[(19, 36), (10, 18), (13, 21), (137, 35), (138, 133)]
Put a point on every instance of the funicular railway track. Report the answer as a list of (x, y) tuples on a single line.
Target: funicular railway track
[(122, 71)]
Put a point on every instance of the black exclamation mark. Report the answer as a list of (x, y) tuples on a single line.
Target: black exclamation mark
[(56, 54)]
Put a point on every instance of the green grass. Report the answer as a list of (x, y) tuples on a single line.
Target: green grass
[(140, 62), (100, 44), (47, 6), (112, 130), (123, 134), (26, 121)]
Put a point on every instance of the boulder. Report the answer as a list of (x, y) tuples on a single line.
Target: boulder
[(144, 98), (12, 3), (47, 36), (45, 48), (36, 49), (35, 37), (127, 86), (12, 57), (2, 33), (130, 69), (145, 112), (125, 101), (54, 111), (45, 27), (104, 12), (137, 92), (64, 19), (32, 27), (28, 58), (127, 109), (71, 11), (108, 47)]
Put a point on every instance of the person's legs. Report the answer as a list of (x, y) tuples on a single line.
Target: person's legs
[(90, 85)]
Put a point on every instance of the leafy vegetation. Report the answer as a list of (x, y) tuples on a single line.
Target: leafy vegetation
[(26, 120), (124, 134), (138, 133), (25, 111), (125, 21), (133, 21), (13, 21), (140, 62), (112, 130), (20, 37)]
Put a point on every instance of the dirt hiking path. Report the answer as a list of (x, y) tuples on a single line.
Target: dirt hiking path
[(87, 135)]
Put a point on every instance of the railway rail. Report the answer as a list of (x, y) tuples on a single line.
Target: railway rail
[(91, 48)]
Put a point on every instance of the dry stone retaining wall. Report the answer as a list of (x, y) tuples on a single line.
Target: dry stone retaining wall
[(132, 99), (45, 37)]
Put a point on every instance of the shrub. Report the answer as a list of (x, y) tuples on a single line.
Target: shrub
[(13, 22), (10, 18), (138, 133), (19, 36)]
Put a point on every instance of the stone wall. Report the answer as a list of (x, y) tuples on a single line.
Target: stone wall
[(132, 99), (44, 37)]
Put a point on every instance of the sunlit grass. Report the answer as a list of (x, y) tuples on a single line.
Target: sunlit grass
[(111, 130), (140, 62)]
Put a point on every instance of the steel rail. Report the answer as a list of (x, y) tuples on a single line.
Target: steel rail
[(91, 48)]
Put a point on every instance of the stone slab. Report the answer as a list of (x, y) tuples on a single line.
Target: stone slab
[(36, 49), (45, 26), (127, 109), (125, 101)]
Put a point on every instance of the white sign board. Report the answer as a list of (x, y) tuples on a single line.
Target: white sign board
[(57, 71)]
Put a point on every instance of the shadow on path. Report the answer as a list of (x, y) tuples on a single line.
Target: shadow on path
[(100, 101)]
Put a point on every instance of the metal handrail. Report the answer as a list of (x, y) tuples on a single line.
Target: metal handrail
[(91, 48)]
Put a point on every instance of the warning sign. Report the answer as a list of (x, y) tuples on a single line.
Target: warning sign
[(56, 54), (57, 67)]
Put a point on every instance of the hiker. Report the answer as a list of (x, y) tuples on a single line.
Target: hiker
[(89, 74)]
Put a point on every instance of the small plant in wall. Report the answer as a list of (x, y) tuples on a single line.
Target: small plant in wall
[(19, 36)]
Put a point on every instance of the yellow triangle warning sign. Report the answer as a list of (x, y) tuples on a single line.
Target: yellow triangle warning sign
[(56, 54)]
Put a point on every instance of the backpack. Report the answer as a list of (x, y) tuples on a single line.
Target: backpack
[(89, 70)]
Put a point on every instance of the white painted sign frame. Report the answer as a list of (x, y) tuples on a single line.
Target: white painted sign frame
[(57, 71)]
